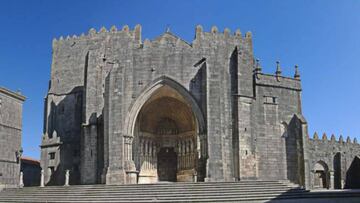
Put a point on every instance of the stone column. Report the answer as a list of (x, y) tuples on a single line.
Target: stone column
[(156, 152), (42, 184), (146, 153), (179, 156), (331, 174), (154, 157), (130, 169), (141, 158), (21, 184), (183, 153), (150, 154)]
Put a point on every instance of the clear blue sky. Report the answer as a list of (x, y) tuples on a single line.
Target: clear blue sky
[(322, 37)]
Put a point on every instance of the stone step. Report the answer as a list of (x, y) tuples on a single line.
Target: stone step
[(169, 192), (154, 191), (151, 190), (185, 184), (161, 186), (303, 197), (207, 197), (49, 189)]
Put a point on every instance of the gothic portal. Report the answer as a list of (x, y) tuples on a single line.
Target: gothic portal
[(166, 145)]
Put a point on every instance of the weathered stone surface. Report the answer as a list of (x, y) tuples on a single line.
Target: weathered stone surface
[(118, 105), (10, 137)]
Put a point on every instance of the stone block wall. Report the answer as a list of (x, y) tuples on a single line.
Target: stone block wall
[(85, 62), (265, 140), (60, 144), (10, 136), (104, 76), (336, 156)]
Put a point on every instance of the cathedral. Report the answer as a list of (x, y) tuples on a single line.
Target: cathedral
[(123, 110)]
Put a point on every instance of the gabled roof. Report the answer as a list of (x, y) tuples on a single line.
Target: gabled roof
[(29, 160), (171, 37)]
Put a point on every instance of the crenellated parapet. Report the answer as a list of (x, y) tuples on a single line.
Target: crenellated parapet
[(332, 139), (53, 140), (106, 46), (226, 36), (201, 37), (135, 34)]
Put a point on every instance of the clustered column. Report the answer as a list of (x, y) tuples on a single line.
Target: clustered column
[(128, 147), (186, 154), (130, 168), (148, 157)]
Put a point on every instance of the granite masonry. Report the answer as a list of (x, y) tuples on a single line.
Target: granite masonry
[(10, 137), (122, 110)]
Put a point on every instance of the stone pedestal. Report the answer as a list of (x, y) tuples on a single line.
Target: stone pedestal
[(21, 183), (42, 180), (67, 178), (115, 176)]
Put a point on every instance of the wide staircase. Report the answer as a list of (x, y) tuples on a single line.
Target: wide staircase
[(245, 191)]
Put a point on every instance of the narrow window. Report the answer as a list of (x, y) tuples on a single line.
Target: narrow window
[(274, 100), (270, 100), (52, 155)]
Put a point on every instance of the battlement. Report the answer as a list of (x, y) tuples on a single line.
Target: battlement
[(135, 34), (92, 33), (341, 140), (226, 34)]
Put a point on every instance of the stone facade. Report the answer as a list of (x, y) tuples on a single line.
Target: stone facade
[(122, 110), (10, 137), (334, 163)]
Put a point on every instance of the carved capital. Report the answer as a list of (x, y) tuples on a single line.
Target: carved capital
[(128, 139)]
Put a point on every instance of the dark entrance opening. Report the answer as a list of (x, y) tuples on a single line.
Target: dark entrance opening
[(337, 171), (321, 171), (353, 175), (320, 179), (167, 164)]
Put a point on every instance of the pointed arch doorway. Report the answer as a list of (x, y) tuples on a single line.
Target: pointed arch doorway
[(168, 144)]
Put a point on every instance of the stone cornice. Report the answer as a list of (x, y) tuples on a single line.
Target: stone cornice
[(12, 94)]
